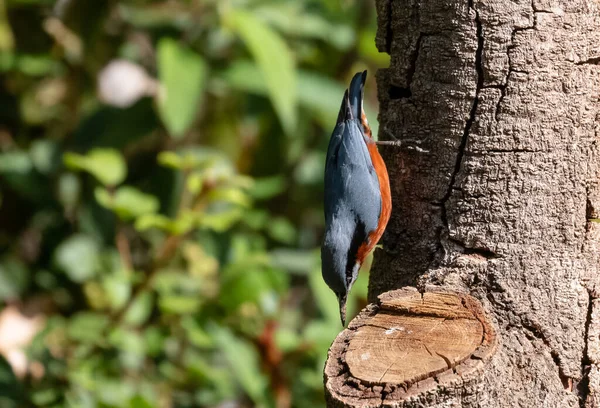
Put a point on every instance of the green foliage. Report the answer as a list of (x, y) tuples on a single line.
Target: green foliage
[(170, 244), (275, 61), (244, 361), (182, 74), (14, 278), (78, 257), (127, 202), (107, 165), (11, 391)]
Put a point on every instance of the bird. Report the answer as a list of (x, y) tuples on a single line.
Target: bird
[(357, 198)]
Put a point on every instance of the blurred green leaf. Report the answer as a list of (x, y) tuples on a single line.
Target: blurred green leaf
[(7, 41), (290, 18), (172, 280), (107, 165), (295, 261), (127, 202), (178, 304), (230, 195), (244, 75), (317, 93), (256, 219), (14, 278), (140, 309), (194, 183), (131, 346), (276, 63), (114, 393), (367, 48), (11, 390), (220, 221), (45, 397), (171, 159), (241, 181), (287, 340), (69, 189), (196, 334), (15, 162), (118, 290), (155, 340), (148, 221), (311, 168), (78, 257), (321, 333), (95, 295), (145, 17), (87, 327), (185, 222), (30, 64), (324, 297), (140, 402), (182, 74), (197, 157), (322, 96), (246, 282), (243, 360), (44, 155), (282, 230), (268, 187)]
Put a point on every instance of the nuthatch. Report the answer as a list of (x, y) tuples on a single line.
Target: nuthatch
[(358, 202)]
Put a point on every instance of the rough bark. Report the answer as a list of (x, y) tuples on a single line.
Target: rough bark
[(502, 98)]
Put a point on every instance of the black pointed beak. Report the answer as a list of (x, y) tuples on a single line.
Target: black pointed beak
[(342, 300)]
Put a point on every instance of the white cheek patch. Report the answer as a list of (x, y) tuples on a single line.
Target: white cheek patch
[(354, 275)]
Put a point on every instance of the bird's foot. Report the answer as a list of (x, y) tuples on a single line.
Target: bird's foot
[(398, 143)]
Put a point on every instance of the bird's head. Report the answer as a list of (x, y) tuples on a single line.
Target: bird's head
[(334, 270)]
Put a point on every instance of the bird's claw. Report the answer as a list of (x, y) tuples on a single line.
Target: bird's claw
[(399, 143)]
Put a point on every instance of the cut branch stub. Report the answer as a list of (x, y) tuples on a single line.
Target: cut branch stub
[(406, 345)]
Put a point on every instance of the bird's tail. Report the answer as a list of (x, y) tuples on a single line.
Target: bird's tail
[(355, 94), (353, 99)]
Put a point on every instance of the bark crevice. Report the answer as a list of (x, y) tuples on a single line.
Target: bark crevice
[(533, 331), (511, 70), (516, 151), (468, 124), (589, 61), (406, 92), (485, 253), (389, 32), (538, 333), (583, 387)]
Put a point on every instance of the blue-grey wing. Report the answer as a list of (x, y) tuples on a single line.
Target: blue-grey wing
[(333, 174), (352, 194), (351, 184)]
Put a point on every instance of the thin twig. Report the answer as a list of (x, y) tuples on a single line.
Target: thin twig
[(123, 248)]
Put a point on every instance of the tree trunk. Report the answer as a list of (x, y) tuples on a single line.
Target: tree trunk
[(494, 191)]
